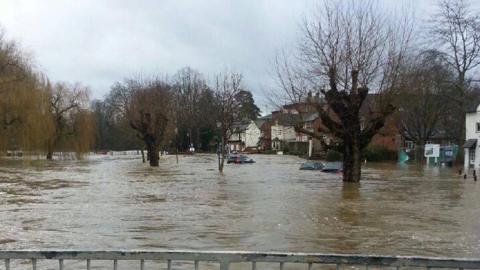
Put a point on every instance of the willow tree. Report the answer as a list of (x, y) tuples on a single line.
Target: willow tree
[(349, 49), (70, 121), (22, 103)]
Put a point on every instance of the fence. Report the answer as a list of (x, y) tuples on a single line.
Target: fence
[(225, 258)]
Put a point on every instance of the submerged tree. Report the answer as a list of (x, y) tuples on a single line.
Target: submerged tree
[(71, 123), (23, 101), (349, 46), (456, 32), (226, 89), (147, 107), (189, 88), (422, 101)]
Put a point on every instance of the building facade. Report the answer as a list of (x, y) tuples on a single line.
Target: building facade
[(472, 136), (245, 135)]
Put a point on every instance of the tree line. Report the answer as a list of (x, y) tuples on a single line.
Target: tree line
[(44, 118), (367, 62), (175, 114), (38, 115)]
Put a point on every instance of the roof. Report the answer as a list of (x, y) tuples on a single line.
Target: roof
[(312, 117), (472, 108), (470, 143), (289, 119), (259, 122)]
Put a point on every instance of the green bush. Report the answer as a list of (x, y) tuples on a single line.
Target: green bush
[(379, 153), (333, 156)]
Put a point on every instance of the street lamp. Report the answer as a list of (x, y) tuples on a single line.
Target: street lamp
[(176, 144)]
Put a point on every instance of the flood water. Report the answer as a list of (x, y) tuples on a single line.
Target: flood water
[(116, 202)]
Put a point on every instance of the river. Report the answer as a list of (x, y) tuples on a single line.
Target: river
[(116, 202)]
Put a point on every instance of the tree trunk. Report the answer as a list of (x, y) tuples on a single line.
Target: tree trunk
[(152, 152), (49, 152), (143, 155), (49, 155), (352, 162), (222, 155), (419, 151)]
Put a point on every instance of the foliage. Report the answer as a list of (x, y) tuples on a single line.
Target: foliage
[(247, 108), (36, 116), (333, 155), (379, 153)]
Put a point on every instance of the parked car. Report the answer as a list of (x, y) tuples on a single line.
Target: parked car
[(239, 159), (312, 165)]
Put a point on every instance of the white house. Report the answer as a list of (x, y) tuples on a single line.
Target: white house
[(245, 135), (283, 131), (472, 137)]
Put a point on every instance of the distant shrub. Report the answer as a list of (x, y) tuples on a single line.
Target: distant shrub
[(379, 153), (333, 156), (269, 152)]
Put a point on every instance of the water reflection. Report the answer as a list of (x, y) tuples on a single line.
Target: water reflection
[(118, 203)]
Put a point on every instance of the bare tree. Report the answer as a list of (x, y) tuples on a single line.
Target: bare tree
[(422, 100), (150, 113), (68, 115), (189, 86), (456, 31), (349, 46), (226, 88)]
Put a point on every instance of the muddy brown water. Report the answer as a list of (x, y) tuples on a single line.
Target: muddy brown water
[(116, 202)]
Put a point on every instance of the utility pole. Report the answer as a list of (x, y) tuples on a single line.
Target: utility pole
[(176, 144)]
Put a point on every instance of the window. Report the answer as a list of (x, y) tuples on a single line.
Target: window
[(408, 145), (472, 156), (478, 127)]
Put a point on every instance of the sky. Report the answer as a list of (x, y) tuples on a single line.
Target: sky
[(98, 42)]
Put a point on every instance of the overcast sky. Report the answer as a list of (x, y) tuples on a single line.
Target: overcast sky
[(98, 42)]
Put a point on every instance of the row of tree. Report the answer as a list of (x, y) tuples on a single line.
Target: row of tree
[(37, 115), (182, 112)]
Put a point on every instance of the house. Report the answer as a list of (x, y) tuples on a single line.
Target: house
[(265, 125), (472, 135), (283, 129), (305, 114), (245, 135)]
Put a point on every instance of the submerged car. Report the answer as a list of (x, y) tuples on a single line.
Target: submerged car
[(239, 159), (312, 165), (332, 167)]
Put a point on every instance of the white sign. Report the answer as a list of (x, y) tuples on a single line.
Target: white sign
[(432, 150)]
